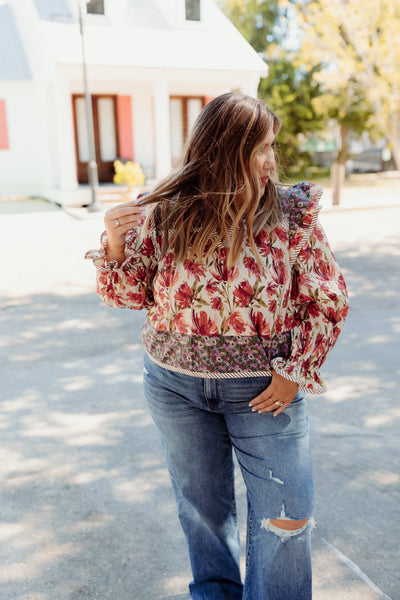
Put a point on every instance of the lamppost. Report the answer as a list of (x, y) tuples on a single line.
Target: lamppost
[(92, 165)]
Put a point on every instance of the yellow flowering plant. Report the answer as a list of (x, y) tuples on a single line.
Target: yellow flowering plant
[(129, 174)]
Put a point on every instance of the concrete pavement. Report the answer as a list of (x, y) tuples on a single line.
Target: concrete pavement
[(86, 506)]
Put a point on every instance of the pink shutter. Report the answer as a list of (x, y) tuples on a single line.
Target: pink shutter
[(125, 127), (4, 144)]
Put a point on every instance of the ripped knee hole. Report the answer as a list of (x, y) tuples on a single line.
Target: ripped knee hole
[(288, 524), (286, 528)]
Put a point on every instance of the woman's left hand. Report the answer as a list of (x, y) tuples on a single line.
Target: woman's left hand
[(276, 397)]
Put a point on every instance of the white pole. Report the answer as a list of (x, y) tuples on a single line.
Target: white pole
[(92, 166), (162, 128)]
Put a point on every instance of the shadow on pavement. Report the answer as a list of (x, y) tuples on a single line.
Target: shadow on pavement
[(355, 426), (87, 509), (26, 206)]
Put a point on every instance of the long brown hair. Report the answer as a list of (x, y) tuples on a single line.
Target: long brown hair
[(213, 195)]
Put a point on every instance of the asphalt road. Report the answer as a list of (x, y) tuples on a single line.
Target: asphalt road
[(86, 506)]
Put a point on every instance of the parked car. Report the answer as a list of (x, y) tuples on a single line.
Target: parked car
[(368, 161)]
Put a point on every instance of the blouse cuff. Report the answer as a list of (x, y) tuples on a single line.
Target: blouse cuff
[(309, 382), (99, 257)]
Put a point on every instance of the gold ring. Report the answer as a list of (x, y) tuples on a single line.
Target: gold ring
[(278, 403)]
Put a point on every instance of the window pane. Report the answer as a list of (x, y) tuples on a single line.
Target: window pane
[(108, 147), (95, 7), (192, 10), (176, 117), (81, 130), (194, 107)]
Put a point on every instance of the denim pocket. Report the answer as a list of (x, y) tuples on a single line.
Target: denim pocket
[(243, 389)]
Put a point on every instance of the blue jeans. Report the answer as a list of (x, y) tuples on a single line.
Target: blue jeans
[(200, 421)]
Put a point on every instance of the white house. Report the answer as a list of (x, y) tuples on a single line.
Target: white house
[(151, 65)]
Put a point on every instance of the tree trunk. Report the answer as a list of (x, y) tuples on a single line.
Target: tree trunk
[(338, 172), (394, 138), (344, 134)]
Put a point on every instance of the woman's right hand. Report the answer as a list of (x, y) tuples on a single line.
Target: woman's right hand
[(118, 221)]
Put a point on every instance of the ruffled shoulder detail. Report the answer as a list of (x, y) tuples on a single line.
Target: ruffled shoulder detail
[(301, 207)]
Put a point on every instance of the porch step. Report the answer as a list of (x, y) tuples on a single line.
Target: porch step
[(119, 193)]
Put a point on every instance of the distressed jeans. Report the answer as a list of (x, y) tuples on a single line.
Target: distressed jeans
[(201, 422)]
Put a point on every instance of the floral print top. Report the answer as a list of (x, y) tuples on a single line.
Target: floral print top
[(206, 320)]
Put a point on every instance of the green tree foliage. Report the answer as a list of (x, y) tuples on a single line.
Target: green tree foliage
[(257, 20), (350, 111), (359, 43), (289, 90)]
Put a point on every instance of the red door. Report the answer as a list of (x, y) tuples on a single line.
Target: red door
[(105, 123)]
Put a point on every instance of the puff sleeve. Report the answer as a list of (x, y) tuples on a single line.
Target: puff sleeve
[(319, 303), (129, 285)]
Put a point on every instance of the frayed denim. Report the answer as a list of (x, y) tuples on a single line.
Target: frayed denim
[(200, 421)]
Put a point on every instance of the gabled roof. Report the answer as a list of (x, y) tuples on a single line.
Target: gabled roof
[(143, 38), (136, 33), (13, 61), (152, 48), (53, 10), (143, 13)]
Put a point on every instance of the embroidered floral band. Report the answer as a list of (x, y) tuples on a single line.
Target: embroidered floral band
[(215, 356)]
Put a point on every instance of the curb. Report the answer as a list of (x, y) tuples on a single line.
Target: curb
[(335, 209)]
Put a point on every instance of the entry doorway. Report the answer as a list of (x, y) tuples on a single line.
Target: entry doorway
[(106, 141), (184, 111)]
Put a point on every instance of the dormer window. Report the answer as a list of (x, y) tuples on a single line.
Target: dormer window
[(192, 10), (95, 7)]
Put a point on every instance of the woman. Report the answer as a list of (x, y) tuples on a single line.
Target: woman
[(244, 300)]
